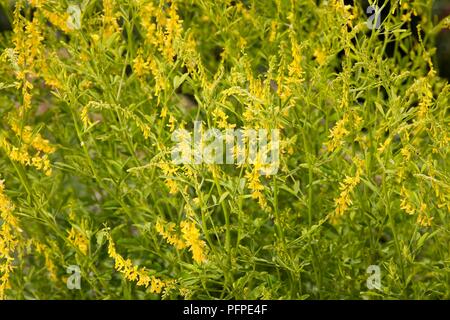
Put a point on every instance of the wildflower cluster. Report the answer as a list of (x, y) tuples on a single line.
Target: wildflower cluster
[(92, 114), (8, 240)]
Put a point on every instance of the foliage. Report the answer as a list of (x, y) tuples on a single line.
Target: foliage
[(85, 143)]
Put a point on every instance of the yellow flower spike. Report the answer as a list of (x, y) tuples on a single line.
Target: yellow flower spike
[(343, 202), (33, 139), (140, 66), (58, 20), (110, 23), (22, 155), (163, 112), (44, 250), (79, 240), (337, 134), (192, 237), (169, 170), (424, 221), (273, 30), (84, 115), (221, 119), (9, 231), (133, 273), (406, 153), (320, 56), (166, 230), (253, 176), (156, 285), (172, 123), (405, 202)]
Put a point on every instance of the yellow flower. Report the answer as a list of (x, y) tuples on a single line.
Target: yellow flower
[(273, 30), (424, 221), (166, 230), (221, 119), (109, 18), (192, 237), (34, 139), (406, 152), (22, 155), (84, 115), (346, 187), (58, 20), (133, 273), (166, 32), (8, 240), (172, 32), (295, 68), (405, 205), (160, 78), (172, 122), (15, 154), (337, 134), (140, 66), (45, 252), (79, 240), (169, 170), (253, 176), (320, 56), (405, 202)]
